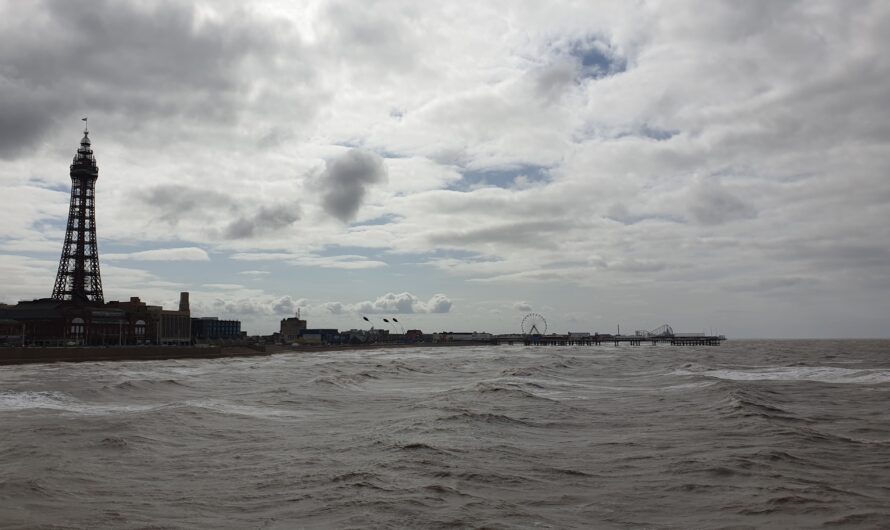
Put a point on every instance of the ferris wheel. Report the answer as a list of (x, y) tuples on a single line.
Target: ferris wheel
[(534, 324)]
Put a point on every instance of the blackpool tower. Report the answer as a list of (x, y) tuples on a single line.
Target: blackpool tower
[(78, 278)]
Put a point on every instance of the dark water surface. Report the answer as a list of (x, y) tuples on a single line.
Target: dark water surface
[(751, 434)]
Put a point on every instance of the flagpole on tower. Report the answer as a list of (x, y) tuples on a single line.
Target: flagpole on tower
[(86, 124)]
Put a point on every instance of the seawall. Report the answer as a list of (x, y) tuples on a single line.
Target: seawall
[(31, 355), (73, 354)]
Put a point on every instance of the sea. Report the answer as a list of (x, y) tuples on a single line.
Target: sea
[(749, 434)]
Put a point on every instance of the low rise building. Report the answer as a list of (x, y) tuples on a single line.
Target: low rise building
[(320, 336), (152, 324), (292, 328), (212, 328), (48, 322), (174, 327), (413, 335)]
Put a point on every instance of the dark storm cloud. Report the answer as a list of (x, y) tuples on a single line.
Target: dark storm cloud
[(24, 116), (62, 57), (712, 204), (346, 179), (173, 202), (266, 219)]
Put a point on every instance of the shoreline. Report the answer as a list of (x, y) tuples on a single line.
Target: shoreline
[(47, 355)]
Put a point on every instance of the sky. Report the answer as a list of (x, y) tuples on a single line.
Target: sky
[(719, 166)]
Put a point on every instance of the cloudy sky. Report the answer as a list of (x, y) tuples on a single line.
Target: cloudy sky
[(713, 165)]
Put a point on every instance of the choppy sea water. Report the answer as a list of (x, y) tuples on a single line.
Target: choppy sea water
[(751, 434)]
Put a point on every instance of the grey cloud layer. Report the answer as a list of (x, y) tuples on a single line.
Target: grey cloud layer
[(218, 214), (690, 149), (142, 60), (265, 219)]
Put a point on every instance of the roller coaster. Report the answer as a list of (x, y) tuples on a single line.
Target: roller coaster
[(663, 331)]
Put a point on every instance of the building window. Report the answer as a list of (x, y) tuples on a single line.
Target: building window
[(139, 329), (77, 328)]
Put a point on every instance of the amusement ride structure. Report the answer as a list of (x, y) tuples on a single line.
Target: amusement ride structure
[(534, 324)]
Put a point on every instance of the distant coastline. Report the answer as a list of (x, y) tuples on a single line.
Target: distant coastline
[(44, 355)]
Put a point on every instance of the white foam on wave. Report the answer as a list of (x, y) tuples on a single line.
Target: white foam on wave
[(683, 387), (59, 401), (822, 374), (226, 407), (12, 401)]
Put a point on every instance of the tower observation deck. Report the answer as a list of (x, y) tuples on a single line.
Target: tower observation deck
[(78, 277)]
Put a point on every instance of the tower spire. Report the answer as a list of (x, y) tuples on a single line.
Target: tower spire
[(78, 277)]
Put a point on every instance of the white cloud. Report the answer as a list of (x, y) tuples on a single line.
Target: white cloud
[(223, 286), (439, 303), (346, 261), (391, 303), (26, 278), (162, 254)]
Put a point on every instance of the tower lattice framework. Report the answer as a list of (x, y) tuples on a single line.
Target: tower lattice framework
[(78, 277)]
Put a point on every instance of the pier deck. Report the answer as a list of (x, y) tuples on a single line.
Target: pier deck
[(632, 340)]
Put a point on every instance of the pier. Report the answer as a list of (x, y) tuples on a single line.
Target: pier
[(661, 335), (632, 340)]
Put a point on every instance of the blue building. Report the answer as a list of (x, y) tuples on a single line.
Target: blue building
[(320, 336), (212, 328)]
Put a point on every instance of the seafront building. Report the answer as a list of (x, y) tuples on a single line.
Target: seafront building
[(206, 329), (292, 328)]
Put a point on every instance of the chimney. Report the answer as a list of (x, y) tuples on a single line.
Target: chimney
[(183, 301)]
